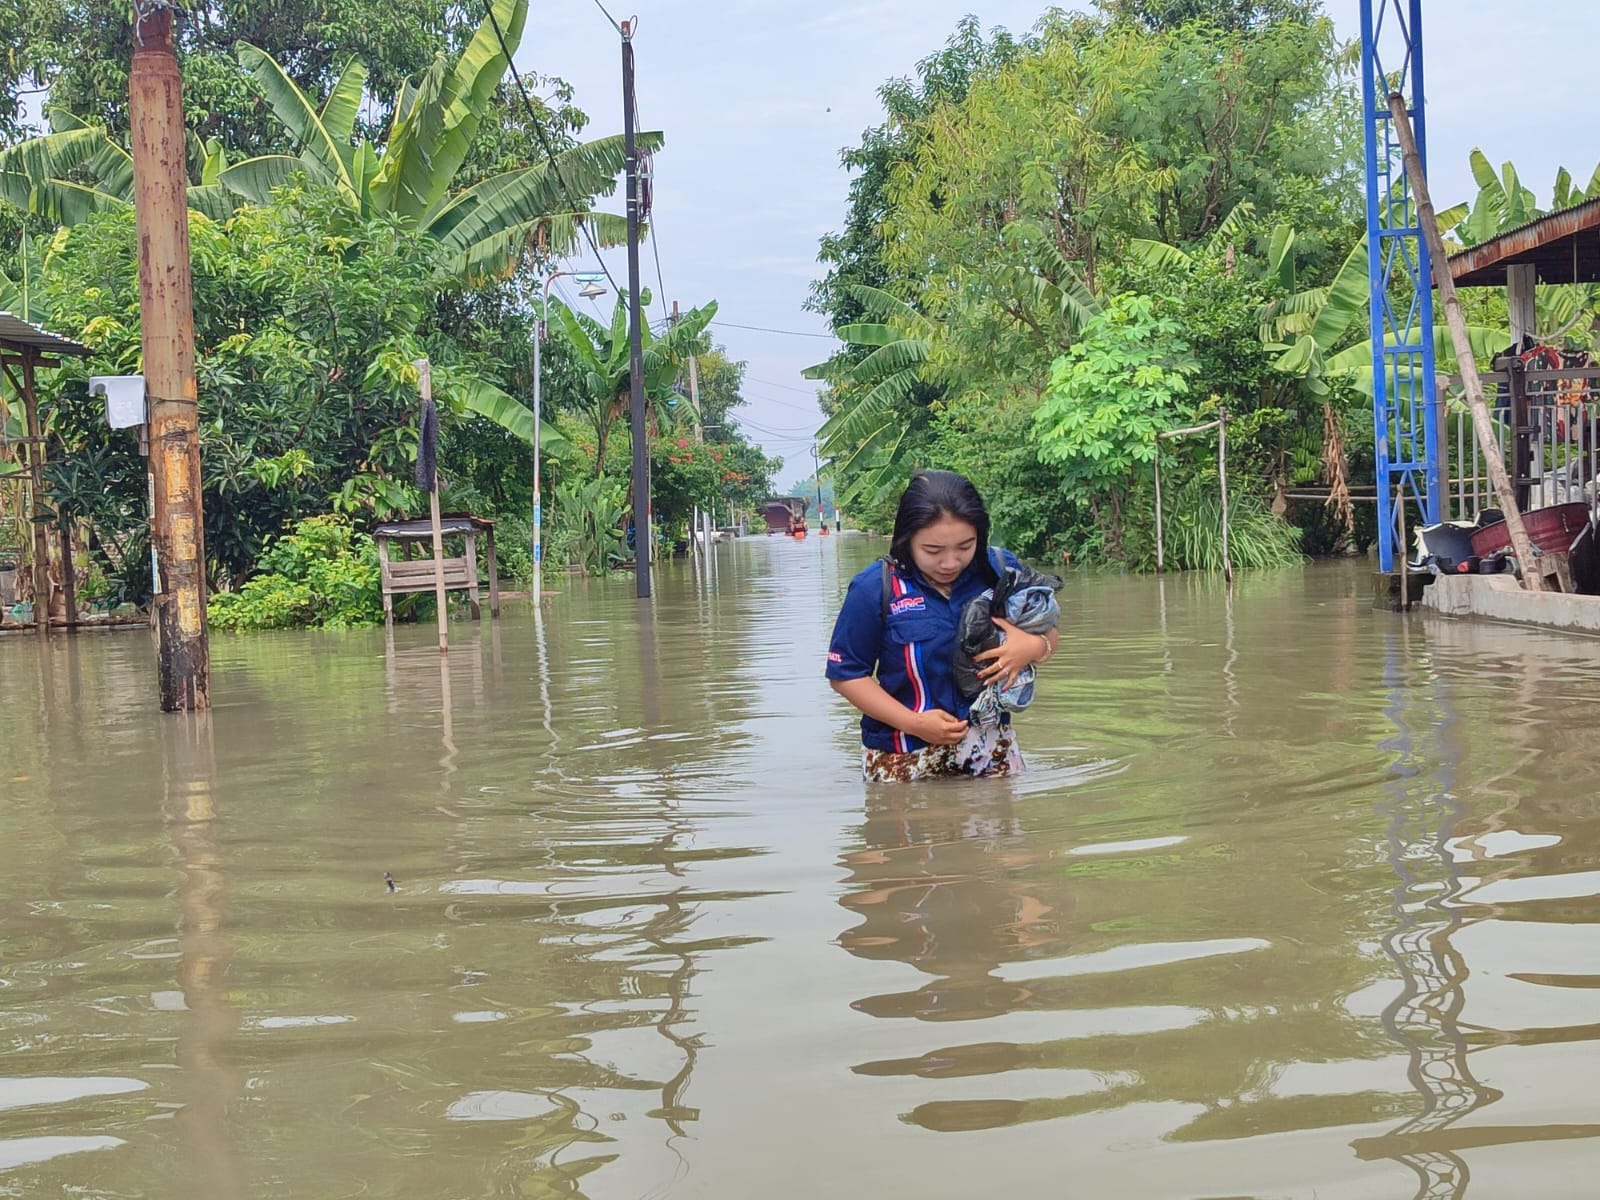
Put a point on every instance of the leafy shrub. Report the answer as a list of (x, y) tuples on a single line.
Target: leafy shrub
[(588, 522), (324, 575)]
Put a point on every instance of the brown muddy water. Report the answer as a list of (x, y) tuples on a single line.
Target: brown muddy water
[(1296, 900)]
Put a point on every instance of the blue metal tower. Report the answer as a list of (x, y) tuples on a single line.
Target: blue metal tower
[(1399, 273)]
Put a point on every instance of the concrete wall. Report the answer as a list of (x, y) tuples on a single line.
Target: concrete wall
[(1501, 598)]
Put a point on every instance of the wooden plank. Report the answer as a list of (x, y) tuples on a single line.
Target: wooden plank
[(419, 575)]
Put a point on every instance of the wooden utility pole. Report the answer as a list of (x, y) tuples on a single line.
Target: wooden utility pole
[(429, 437), (41, 543), (641, 441), (1481, 422), (166, 321)]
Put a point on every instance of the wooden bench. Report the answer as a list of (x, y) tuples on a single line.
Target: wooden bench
[(409, 574)]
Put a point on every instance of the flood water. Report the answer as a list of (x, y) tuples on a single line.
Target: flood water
[(1297, 899)]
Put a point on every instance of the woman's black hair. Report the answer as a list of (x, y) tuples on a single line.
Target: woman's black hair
[(934, 494)]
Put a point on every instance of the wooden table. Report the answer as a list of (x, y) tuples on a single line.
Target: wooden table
[(412, 574)]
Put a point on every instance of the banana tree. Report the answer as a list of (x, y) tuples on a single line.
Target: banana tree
[(76, 170), (17, 295), (1503, 203), (485, 229), (879, 395), (603, 359)]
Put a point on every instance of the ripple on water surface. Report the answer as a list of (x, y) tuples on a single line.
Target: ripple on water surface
[(1295, 899)]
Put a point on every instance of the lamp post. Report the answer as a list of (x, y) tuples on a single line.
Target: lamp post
[(589, 291)]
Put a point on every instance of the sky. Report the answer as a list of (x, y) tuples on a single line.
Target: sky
[(757, 98)]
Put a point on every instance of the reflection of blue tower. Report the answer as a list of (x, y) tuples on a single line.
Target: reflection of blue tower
[(1406, 438), (1423, 1018)]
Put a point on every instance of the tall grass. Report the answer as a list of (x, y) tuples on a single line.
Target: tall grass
[(1256, 538)]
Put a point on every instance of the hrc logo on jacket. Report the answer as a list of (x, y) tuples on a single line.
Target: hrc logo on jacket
[(908, 604)]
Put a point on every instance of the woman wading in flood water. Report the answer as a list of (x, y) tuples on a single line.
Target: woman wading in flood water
[(894, 652)]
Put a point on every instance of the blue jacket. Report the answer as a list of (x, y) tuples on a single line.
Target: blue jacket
[(912, 650)]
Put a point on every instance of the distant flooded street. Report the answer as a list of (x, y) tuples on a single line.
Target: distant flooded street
[(1295, 900)]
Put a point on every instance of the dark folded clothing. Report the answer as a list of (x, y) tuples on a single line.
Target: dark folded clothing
[(1024, 597)]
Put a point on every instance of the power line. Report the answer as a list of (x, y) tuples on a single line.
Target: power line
[(787, 387), (797, 432), (763, 329), (655, 249), (544, 141), (609, 17), (789, 404)]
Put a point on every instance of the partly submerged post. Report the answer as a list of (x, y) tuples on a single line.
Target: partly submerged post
[(166, 325), (1161, 546), (1220, 425), (428, 477), (1482, 423), (1222, 485), (643, 543)]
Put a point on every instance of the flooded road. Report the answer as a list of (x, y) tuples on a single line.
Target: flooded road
[(1295, 900)]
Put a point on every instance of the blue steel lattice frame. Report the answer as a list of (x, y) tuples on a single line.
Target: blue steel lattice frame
[(1398, 273)]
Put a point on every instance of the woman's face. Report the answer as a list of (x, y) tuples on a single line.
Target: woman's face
[(941, 551)]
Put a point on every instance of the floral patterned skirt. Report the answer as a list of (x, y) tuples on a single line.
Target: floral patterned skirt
[(983, 752)]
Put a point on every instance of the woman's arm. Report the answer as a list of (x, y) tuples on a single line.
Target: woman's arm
[(1020, 649), (936, 727)]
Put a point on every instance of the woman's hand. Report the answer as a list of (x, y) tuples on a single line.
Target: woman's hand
[(938, 728), (1007, 660)]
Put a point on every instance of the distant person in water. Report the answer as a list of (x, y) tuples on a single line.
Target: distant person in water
[(893, 648)]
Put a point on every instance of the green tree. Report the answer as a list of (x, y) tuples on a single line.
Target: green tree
[(1109, 396), (486, 229), (82, 49), (307, 318), (602, 357), (1104, 132), (880, 397), (855, 255), (1223, 14), (685, 474)]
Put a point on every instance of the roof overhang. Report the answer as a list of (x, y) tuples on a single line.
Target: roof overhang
[(22, 337), (1563, 247)]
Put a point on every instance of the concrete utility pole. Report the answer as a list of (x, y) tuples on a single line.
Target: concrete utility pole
[(166, 320), (694, 386), (641, 441)]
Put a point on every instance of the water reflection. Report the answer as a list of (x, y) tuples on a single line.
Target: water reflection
[(204, 953), (1464, 891), (937, 885), (1424, 1018)]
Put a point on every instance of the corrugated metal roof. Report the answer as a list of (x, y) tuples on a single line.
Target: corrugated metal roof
[(15, 333), (1564, 247)]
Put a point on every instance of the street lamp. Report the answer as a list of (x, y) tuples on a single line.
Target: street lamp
[(591, 289)]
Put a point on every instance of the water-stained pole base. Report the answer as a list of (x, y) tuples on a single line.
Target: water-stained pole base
[(166, 320)]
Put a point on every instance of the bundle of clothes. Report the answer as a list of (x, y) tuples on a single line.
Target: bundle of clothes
[(1027, 599)]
